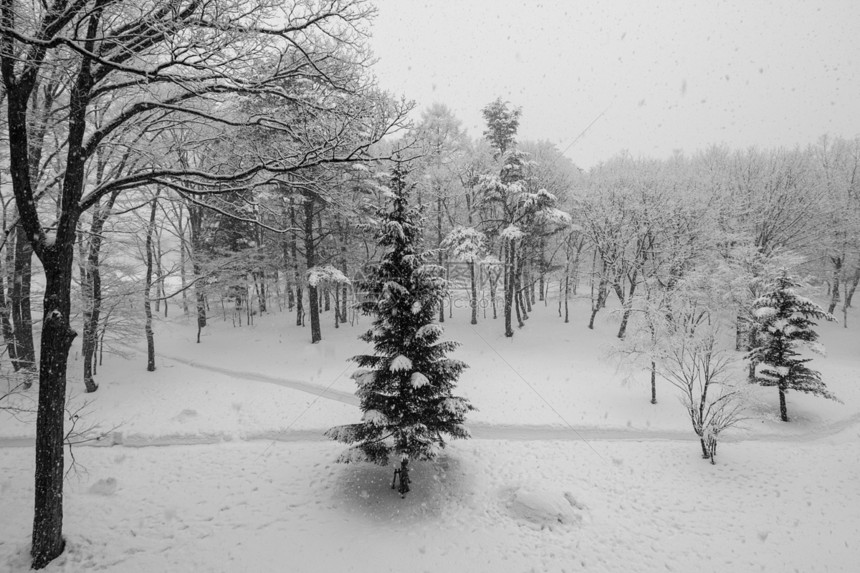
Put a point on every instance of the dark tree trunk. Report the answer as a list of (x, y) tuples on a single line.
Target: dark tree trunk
[(560, 297), (510, 257), (195, 220), (739, 333), (752, 342), (528, 291), (834, 291), (626, 302), (521, 295), (337, 306), (541, 268), (532, 286), (6, 323), (57, 338), (439, 246), (566, 298), (625, 316), (783, 409), (22, 318), (602, 285), (147, 305), (310, 261), (344, 241), (56, 251), (300, 311), (91, 290), (517, 307), (285, 248), (474, 301), (260, 289), (159, 277), (855, 280), (314, 309), (596, 305), (101, 346), (653, 382), (183, 258), (493, 286)]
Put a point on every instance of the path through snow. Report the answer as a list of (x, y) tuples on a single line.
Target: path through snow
[(479, 431)]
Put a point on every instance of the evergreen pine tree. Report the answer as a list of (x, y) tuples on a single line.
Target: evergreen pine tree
[(784, 321), (405, 386)]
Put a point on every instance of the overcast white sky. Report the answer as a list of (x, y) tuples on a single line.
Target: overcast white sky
[(669, 75)]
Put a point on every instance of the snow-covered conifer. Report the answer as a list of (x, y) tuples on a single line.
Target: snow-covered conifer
[(784, 321), (406, 385)]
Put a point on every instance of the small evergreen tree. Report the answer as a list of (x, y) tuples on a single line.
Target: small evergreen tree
[(784, 321), (405, 386)]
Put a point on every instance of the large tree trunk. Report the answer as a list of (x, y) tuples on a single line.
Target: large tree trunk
[(56, 251), (57, 337)]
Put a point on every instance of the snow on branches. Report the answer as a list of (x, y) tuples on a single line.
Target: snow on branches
[(784, 322), (326, 273), (405, 386), (466, 244), (512, 233)]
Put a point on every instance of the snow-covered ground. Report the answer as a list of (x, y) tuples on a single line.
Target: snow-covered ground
[(571, 468)]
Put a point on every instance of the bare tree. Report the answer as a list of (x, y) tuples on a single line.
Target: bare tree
[(149, 66), (691, 359), (837, 165)]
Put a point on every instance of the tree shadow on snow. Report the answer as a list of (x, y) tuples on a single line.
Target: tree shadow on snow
[(436, 486)]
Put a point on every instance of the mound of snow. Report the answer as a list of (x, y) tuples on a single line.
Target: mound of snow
[(542, 508), (104, 487)]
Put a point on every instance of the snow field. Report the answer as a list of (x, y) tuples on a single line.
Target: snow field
[(484, 506), (260, 490)]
